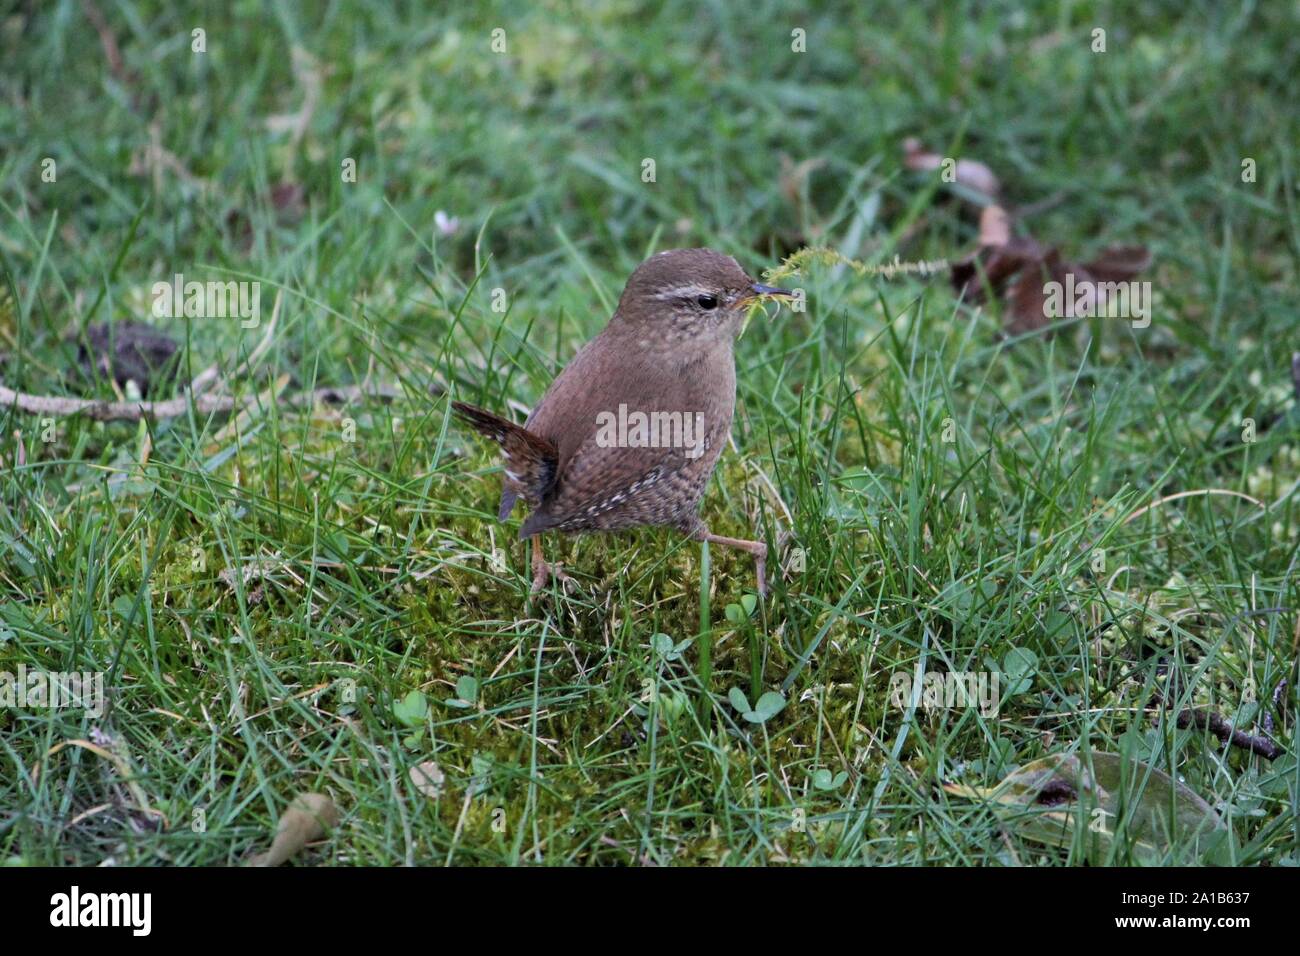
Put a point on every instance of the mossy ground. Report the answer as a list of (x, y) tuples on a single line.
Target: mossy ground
[(958, 498)]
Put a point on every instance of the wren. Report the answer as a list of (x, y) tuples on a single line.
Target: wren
[(630, 431)]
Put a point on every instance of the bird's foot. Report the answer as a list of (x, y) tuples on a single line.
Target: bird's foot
[(544, 572), (757, 548)]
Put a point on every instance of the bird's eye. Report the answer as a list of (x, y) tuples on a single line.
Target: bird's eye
[(707, 301)]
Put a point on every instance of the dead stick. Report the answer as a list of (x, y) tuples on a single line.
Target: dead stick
[(104, 411), (1217, 725)]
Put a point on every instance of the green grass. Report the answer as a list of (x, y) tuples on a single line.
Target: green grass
[(373, 559)]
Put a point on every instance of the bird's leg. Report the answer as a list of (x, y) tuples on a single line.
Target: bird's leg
[(543, 572), (757, 548)]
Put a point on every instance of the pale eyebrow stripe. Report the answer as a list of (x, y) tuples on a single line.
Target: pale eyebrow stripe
[(682, 292)]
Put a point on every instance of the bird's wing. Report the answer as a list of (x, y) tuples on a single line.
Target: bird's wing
[(590, 415)]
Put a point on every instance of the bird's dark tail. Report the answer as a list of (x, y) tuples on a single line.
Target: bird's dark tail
[(530, 460)]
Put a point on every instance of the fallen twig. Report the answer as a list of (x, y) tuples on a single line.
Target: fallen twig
[(104, 411), (1219, 726), (208, 393), (101, 410)]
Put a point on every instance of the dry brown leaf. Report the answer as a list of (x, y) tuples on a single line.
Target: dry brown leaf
[(1018, 267), (1119, 263), (999, 257), (1026, 305), (995, 226), (970, 173), (308, 818), (1003, 259)]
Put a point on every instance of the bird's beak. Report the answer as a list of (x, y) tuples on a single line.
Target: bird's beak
[(759, 290), (757, 293)]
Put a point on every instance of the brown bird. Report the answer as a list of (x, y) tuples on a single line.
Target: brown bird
[(629, 433)]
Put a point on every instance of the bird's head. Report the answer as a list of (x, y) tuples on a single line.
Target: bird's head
[(685, 295)]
